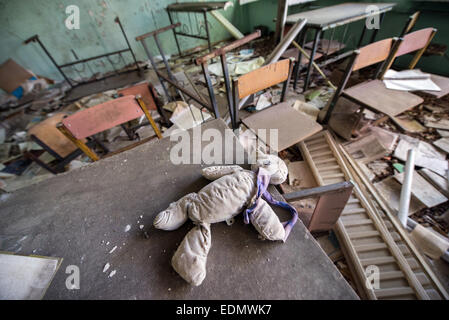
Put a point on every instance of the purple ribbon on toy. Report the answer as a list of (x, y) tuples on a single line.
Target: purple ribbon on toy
[(263, 180)]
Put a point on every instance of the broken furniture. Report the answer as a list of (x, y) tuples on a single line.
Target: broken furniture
[(170, 78), (88, 122), (331, 201), (221, 52), (85, 62), (290, 126), (55, 143), (368, 235), (282, 12), (194, 8), (418, 41), (281, 47), (372, 94), (12, 76), (131, 188), (149, 97), (328, 18)]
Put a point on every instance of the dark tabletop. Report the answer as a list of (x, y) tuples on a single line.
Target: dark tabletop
[(82, 214)]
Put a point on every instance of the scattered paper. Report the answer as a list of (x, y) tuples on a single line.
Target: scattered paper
[(188, 118), (409, 80)]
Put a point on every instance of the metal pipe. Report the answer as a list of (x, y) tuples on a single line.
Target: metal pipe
[(184, 34), (117, 20), (36, 38), (278, 51), (153, 64), (174, 32), (185, 91), (286, 41), (314, 65), (312, 56), (233, 45), (207, 30), (93, 58), (406, 190), (149, 34)]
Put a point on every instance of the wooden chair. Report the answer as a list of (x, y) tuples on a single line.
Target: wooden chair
[(149, 98), (88, 122), (46, 135), (332, 199), (418, 41), (291, 125), (373, 94)]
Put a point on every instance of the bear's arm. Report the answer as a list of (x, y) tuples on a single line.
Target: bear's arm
[(215, 172)]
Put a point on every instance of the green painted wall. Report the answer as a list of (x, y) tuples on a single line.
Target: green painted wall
[(433, 14), (98, 34)]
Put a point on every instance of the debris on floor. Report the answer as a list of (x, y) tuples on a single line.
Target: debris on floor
[(277, 108)]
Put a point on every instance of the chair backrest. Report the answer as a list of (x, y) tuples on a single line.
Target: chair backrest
[(373, 53), (413, 41), (263, 78), (99, 118), (368, 55), (142, 89), (416, 40), (50, 138)]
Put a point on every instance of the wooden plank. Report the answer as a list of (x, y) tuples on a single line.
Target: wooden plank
[(370, 247), (263, 78), (436, 180), (394, 292), (394, 254), (375, 96), (423, 190), (319, 147), (418, 262), (356, 222), (292, 126), (443, 144), (47, 132), (354, 211), (390, 189), (430, 122), (364, 234)]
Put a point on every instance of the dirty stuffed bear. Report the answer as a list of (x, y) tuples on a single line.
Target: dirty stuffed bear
[(232, 191)]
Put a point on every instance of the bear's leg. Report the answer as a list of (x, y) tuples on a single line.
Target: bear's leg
[(189, 260), (266, 222), (175, 215)]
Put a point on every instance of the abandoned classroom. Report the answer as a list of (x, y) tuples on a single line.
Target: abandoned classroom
[(242, 149)]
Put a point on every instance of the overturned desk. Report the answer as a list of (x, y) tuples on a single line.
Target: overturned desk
[(82, 217), (331, 17), (195, 8)]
